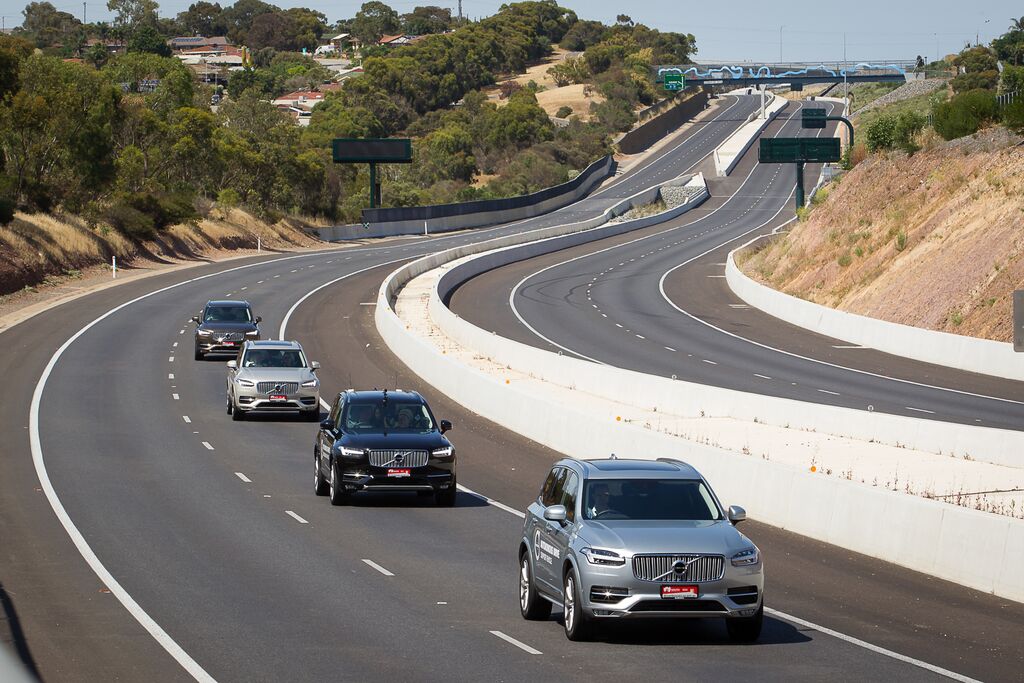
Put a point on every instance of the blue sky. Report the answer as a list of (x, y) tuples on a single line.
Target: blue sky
[(736, 30)]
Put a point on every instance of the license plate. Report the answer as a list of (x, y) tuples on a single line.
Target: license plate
[(679, 592), (278, 397), (402, 472)]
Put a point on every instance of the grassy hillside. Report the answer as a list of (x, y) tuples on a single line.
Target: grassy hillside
[(935, 240)]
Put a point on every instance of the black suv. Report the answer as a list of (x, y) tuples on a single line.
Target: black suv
[(383, 441), (224, 326)]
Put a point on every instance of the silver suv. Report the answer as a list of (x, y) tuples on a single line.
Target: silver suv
[(272, 376), (609, 539)]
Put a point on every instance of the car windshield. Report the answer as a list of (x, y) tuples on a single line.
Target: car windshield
[(273, 358), (227, 314), (649, 499), (387, 416)]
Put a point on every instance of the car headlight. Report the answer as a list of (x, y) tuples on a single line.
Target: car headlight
[(310, 383), (746, 557), (445, 452), (351, 452), (204, 333), (244, 382), (603, 557)]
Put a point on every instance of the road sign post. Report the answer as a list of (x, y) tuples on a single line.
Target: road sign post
[(798, 151), (372, 151), (817, 118)]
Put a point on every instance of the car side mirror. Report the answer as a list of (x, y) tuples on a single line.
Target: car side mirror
[(737, 514), (327, 425), (555, 513), (446, 426), (195, 319), (315, 365), (259, 318), (232, 365)]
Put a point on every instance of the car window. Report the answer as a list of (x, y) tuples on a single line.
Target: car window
[(362, 417), (227, 314), (553, 487), (335, 412), (407, 416), (274, 358), (649, 499), (570, 493)]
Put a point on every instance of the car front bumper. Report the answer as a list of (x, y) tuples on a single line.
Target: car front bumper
[(248, 399), (218, 343), (434, 476), (614, 592)]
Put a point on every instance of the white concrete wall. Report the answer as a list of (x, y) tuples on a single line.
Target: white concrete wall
[(942, 348), (729, 153), (976, 549)]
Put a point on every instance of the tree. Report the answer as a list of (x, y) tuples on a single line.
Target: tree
[(373, 20), (131, 13), (426, 20), (239, 17), (147, 39), (97, 55), (13, 52), (624, 20), (203, 19), (278, 30), (583, 34), (47, 25)]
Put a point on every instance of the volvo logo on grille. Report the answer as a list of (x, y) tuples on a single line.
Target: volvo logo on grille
[(682, 566), (399, 458), (278, 388)]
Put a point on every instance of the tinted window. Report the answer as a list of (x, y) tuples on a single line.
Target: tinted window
[(390, 416), (675, 499), (335, 412), (570, 493), (227, 314), (273, 358), (553, 487)]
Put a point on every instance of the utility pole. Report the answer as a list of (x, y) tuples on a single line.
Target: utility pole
[(780, 43), (846, 67), (460, 12), (83, 14)]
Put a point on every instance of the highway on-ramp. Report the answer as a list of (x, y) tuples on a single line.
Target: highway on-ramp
[(234, 570)]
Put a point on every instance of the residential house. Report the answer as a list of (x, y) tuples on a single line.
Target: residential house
[(198, 44)]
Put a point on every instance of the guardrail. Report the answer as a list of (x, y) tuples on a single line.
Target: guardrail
[(976, 549)]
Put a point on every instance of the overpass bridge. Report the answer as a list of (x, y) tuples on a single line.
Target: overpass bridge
[(794, 74)]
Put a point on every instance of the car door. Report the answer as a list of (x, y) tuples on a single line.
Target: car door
[(545, 553), (327, 436), (561, 535)]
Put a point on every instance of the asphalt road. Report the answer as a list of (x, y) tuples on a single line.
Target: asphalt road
[(211, 526), (657, 301)]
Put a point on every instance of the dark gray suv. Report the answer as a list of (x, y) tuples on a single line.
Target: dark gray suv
[(224, 326)]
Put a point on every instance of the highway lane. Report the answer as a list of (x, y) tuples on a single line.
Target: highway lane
[(212, 525), (54, 605), (605, 302)]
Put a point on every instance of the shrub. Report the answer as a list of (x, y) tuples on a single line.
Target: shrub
[(901, 240), (163, 209), (228, 198), (564, 112), (986, 80), (1013, 115), (844, 259), (895, 131), (130, 222), (965, 114), (509, 88)]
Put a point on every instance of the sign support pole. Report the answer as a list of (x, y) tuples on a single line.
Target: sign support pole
[(799, 185), (373, 185)]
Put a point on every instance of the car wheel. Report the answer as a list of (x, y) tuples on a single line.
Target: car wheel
[(229, 408), (746, 629), (199, 354), (446, 497), (236, 414), (578, 625), (531, 605), (320, 485), (337, 491), (312, 415)]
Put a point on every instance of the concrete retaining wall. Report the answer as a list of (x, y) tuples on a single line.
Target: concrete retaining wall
[(644, 136), (952, 350), (448, 217), (976, 549)]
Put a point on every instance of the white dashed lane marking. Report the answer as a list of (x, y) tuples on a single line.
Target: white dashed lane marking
[(244, 478), (762, 376), (294, 516), (170, 375), (174, 396), (830, 393), (187, 419), (371, 563), (520, 645), (208, 446), (709, 362), (921, 410)]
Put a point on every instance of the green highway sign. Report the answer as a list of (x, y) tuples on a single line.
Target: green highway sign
[(674, 81), (813, 118), (372, 150), (798, 150)]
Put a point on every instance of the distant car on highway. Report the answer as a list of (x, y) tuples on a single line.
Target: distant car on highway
[(273, 376), (383, 441), (223, 326), (624, 539)]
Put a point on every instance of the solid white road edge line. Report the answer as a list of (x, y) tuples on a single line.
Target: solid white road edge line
[(371, 563), (873, 648), (520, 645)]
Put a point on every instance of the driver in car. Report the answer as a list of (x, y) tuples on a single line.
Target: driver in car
[(600, 500)]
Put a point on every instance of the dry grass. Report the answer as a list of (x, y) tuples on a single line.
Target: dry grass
[(935, 240), (551, 98)]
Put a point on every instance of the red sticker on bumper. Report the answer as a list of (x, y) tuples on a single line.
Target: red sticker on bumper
[(404, 472), (679, 592)]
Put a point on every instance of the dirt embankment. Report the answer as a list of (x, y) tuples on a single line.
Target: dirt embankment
[(42, 249), (935, 240)]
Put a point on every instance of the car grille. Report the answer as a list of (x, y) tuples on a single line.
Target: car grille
[(229, 336), (659, 568), (271, 387), (386, 458)]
